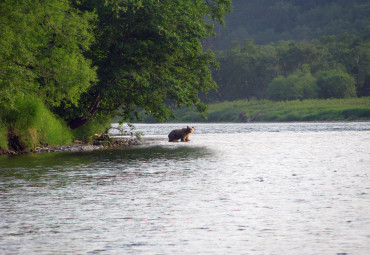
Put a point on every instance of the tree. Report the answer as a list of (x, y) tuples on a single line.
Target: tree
[(292, 55), (42, 65), (336, 84), (231, 77), (351, 53), (245, 71), (41, 52), (149, 56), (262, 68), (299, 85)]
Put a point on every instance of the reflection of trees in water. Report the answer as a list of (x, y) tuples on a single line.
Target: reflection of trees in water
[(165, 153), (63, 168)]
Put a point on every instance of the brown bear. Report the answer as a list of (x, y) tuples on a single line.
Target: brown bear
[(182, 134)]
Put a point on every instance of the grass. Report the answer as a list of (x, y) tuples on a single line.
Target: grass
[(86, 132), (271, 111), (3, 136), (32, 124)]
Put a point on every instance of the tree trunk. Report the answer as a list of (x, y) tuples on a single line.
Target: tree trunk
[(80, 121)]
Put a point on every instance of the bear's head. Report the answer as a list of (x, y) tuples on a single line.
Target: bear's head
[(189, 129)]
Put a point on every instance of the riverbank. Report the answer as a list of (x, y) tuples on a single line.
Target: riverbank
[(351, 109), (116, 142)]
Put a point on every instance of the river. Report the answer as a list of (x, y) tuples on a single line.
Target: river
[(294, 188)]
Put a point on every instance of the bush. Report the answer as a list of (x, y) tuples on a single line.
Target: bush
[(336, 84), (300, 85), (95, 126)]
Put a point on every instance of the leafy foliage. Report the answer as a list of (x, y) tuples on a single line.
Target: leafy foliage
[(41, 52), (245, 72), (299, 85), (41, 65), (286, 70), (336, 84), (149, 56), (85, 59)]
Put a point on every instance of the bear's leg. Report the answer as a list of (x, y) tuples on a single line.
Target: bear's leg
[(186, 138), (173, 139)]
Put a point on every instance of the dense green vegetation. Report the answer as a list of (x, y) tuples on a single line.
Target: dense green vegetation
[(330, 67), (42, 65), (268, 21), (285, 50), (267, 110), (68, 67), (76, 63), (31, 124), (148, 53)]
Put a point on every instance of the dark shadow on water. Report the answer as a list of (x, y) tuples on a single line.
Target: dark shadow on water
[(154, 153), (34, 166)]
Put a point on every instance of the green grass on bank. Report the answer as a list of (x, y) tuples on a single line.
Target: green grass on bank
[(30, 125), (271, 111)]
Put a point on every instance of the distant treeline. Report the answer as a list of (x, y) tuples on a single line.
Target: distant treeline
[(330, 67), (272, 20)]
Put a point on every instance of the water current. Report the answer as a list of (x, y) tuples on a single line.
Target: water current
[(296, 188)]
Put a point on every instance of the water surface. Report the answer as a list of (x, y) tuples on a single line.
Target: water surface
[(297, 188)]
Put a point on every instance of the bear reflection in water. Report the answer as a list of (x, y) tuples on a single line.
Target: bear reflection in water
[(182, 134)]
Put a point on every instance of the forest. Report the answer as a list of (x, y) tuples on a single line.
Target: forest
[(267, 21), (285, 50), (68, 67), (328, 67)]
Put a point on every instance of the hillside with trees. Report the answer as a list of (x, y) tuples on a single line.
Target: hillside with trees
[(285, 50), (330, 67), (267, 21), (289, 50)]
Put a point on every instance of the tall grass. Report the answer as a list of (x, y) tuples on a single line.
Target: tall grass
[(33, 124), (271, 111), (86, 132), (3, 136)]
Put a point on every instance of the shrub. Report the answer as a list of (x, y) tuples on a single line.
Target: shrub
[(300, 85), (336, 84), (95, 126)]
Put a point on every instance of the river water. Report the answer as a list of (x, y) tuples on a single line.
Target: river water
[(297, 188)]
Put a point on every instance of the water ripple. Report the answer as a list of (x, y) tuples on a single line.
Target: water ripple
[(234, 189)]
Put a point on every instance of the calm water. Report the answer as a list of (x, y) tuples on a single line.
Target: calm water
[(234, 189)]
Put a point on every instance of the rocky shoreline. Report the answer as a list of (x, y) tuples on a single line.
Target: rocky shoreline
[(81, 147)]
